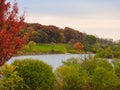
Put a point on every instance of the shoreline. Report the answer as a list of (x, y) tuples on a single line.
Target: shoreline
[(28, 54)]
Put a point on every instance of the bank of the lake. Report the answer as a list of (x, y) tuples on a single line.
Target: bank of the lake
[(33, 49)]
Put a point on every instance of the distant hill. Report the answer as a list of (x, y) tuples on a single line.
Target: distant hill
[(49, 33)]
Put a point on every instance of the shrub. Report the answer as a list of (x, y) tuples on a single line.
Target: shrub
[(92, 74), (36, 74), (10, 79), (103, 79), (105, 53), (71, 76)]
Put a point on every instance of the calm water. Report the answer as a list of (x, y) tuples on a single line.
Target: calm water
[(55, 60)]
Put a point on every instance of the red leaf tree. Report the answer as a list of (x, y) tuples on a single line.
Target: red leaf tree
[(12, 36)]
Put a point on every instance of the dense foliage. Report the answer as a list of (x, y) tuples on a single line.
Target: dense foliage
[(36, 74), (111, 51), (74, 74), (10, 80), (12, 36), (93, 74), (47, 34)]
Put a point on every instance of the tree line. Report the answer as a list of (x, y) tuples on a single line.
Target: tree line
[(53, 34), (47, 34)]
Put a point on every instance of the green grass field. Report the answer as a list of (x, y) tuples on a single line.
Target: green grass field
[(48, 48)]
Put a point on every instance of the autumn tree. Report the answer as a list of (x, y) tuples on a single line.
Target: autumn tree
[(69, 33), (78, 46), (12, 34)]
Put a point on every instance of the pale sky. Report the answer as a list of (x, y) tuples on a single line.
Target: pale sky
[(97, 17)]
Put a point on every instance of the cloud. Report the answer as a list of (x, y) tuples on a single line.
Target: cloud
[(97, 25), (91, 22)]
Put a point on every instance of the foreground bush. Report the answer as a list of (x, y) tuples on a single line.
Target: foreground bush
[(93, 74), (36, 74), (10, 79)]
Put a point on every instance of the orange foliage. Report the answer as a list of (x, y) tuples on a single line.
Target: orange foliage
[(78, 46)]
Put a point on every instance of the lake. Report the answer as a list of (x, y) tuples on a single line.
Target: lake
[(55, 60)]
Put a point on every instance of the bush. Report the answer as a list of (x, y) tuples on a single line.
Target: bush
[(105, 53), (103, 79), (36, 74), (70, 76), (10, 79), (92, 74), (70, 80)]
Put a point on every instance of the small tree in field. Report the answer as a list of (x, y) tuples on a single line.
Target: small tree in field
[(78, 46), (12, 27)]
